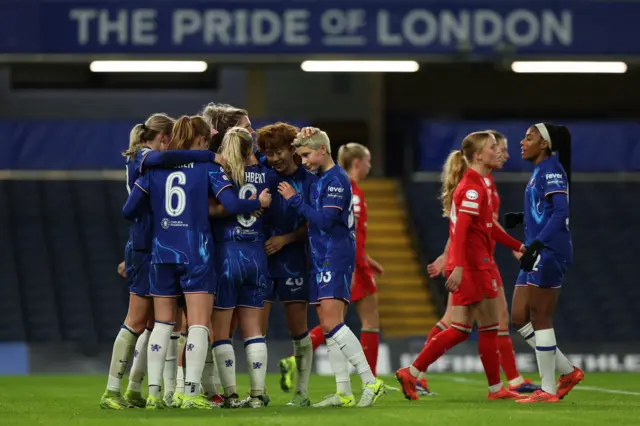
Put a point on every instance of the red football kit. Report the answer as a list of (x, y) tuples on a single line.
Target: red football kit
[(495, 206), (363, 281)]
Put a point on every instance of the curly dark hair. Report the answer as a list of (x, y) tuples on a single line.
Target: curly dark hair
[(276, 136)]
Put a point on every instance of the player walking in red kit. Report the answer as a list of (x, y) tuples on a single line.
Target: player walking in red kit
[(469, 268)]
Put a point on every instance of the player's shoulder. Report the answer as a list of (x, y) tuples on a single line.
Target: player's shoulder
[(490, 181), (139, 155), (470, 189), (552, 172)]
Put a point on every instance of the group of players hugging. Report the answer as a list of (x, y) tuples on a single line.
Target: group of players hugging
[(226, 220)]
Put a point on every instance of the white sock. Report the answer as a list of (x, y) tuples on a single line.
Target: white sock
[(546, 356), (171, 364), (226, 360), (156, 354), (197, 349), (340, 366), (352, 350), (122, 350), (180, 380), (215, 375), (208, 387), (303, 352), (421, 375), (563, 365), (256, 350), (139, 366)]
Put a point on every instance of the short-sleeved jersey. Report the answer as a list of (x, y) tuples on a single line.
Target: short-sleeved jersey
[(281, 219), (471, 197), (360, 213), (180, 210), (140, 232), (495, 202), (241, 227), (548, 178), (334, 250)]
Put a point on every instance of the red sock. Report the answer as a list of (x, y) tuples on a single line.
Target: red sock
[(437, 347), (488, 350), (507, 356), (317, 337), (370, 340), (440, 326)]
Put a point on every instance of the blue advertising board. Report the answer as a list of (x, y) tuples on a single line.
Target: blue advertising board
[(401, 27)]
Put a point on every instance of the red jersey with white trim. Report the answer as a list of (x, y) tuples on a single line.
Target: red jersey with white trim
[(495, 203), (472, 198), (360, 212)]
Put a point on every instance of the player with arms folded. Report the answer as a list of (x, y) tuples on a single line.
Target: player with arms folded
[(182, 255), (548, 256), (507, 356), (329, 211), (467, 203)]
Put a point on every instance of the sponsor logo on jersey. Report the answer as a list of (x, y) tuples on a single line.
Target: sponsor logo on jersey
[(336, 189), (167, 223), (550, 176)]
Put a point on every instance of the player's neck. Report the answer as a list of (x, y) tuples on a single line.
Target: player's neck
[(328, 164), (480, 168), (540, 159), (353, 175)]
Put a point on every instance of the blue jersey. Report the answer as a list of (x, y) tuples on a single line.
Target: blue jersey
[(546, 208), (291, 260), (179, 203), (329, 210), (140, 232), (243, 227)]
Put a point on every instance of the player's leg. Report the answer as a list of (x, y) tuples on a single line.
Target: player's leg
[(505, 346), (366, 302), (487, 315), (133, 395), (256, 352), (266, 311), (182, 343), (171, 362), (123, 349), (333, 294), (165, 289), (458, 332), (294, 294), (223, 349), (210, 377)]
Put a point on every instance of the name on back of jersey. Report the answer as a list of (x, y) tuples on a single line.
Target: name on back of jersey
[(255, 177)]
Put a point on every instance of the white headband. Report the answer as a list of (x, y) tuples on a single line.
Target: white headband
[(544, 133)]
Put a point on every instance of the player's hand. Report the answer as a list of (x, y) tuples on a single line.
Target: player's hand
[(307, 132), (437, 266), (122, 270), (265, 198), (286, 190), (258, 213), (375, 266), (511, 220), (517, 255), (530, 256), (455, 279), (274, 244)]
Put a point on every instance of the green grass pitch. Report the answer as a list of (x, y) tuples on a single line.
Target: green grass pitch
[(602, 399)]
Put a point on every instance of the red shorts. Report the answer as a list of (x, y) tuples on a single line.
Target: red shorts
[(363, 284), (496, 275), (476, 285)]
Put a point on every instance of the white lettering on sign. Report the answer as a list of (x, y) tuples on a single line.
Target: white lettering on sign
[(338, 27)]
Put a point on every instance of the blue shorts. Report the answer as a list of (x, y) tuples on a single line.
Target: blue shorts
[(138, 268), (174, 279), (243, 275), (289, 290), (330, 285), (548, 272)]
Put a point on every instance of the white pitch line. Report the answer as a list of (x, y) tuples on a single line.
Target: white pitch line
[(579, 387)]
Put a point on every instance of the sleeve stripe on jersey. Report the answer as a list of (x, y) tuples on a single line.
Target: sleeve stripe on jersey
[(222, 189), (559, 191), (469, 211), (332, 207), (470, 204), (142, 162), (142, 189)]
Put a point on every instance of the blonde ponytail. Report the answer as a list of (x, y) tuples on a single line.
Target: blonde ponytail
[(452, 173), (147, 132), (187, 130), (235, 148), (457, 164), (349, 152)]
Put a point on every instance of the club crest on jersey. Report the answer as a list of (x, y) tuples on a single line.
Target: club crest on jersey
[(471, 194), (164, 223)]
